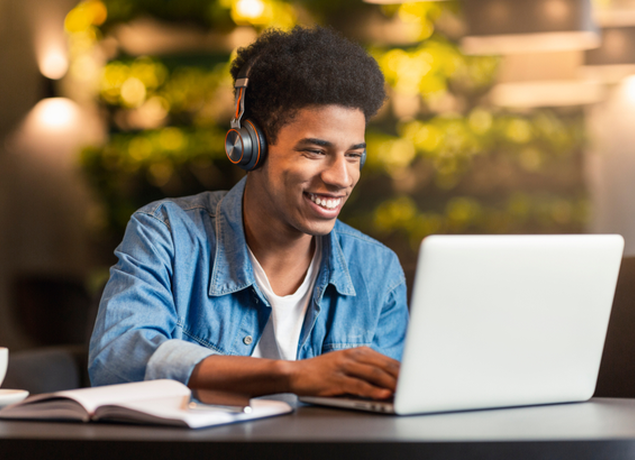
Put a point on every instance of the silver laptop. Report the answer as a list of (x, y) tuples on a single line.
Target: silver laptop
[(502, 321)]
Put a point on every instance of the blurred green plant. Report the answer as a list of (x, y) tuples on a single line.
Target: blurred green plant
[(133, 169), (440, 159), (488, 172)]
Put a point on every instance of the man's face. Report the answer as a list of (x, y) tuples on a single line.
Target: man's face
[(311, 170)]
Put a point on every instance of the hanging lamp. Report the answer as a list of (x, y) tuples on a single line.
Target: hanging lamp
[(525, 26)]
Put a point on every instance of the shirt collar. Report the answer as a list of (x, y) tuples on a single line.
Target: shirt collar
[(232, 270)]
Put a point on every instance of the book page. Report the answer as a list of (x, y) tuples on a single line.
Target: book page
[(92, 398)]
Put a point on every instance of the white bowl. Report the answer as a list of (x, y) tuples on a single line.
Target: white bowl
[(8, 397)]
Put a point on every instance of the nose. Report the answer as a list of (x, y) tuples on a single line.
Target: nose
[(339, 172)]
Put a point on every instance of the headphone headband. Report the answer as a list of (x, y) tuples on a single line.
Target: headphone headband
[(242, 81), (245, 144)]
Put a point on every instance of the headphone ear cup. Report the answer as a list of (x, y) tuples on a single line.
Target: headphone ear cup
[(246, 147), (259, 145), (235, 145)]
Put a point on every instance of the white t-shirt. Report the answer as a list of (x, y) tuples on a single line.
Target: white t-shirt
[(282, 332)]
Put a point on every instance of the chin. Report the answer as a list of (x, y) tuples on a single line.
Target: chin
[(324, 228)]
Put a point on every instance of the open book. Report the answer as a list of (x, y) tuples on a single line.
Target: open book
[(159, 402)]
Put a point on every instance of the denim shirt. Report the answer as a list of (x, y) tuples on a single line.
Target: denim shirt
[(184, 289)]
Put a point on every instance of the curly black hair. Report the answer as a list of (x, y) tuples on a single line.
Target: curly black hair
[(306, 67)]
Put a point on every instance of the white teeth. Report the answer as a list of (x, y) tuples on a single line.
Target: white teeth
[(325, 203)]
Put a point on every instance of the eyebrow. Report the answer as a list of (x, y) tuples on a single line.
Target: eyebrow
[(324, 143)]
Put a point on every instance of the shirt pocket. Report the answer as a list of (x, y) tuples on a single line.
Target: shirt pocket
[(349, 334)]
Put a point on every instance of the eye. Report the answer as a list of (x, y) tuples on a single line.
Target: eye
[(313, 152)]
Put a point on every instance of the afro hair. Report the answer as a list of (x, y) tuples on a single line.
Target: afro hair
[(306, 67)]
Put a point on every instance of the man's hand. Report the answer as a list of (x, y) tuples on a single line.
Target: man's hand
[(358, 371)]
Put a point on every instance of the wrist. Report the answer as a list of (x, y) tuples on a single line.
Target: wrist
[(285, 372)]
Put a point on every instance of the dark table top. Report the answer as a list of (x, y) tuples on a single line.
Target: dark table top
[(601, 428)]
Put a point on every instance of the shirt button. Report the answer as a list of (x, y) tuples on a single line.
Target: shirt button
[(248, 339)]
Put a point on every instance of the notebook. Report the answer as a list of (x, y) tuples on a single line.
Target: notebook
[(503, 321)]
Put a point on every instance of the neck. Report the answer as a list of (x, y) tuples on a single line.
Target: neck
[(284, 254)]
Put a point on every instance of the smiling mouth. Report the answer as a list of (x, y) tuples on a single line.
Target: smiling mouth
[(323, 202)]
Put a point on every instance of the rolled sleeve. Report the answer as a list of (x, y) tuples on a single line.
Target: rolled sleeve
[(175, 359)]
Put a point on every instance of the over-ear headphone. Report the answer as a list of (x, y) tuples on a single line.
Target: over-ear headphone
[(245, 144)]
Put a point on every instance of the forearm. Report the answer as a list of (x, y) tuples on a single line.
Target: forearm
[(242, 374), (361, 371)]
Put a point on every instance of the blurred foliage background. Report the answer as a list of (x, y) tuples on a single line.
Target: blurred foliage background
[(441, 159)]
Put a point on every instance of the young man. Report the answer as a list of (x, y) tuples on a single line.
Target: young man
[(261, 289)]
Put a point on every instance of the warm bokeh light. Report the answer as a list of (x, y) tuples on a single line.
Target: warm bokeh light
[(251, 9), (152, 114), (480, 121), (263, 13), (629, 89), (86, 68), (420, 17), (133, 92), (86, 14), (49, 40), (172, 139), (55, 113), (54, 64)]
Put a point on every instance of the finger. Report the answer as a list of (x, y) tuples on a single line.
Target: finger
[(354, 386), (374, 375), (368, 356)]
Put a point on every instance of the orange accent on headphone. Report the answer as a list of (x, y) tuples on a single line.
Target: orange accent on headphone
[(240, 96)]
